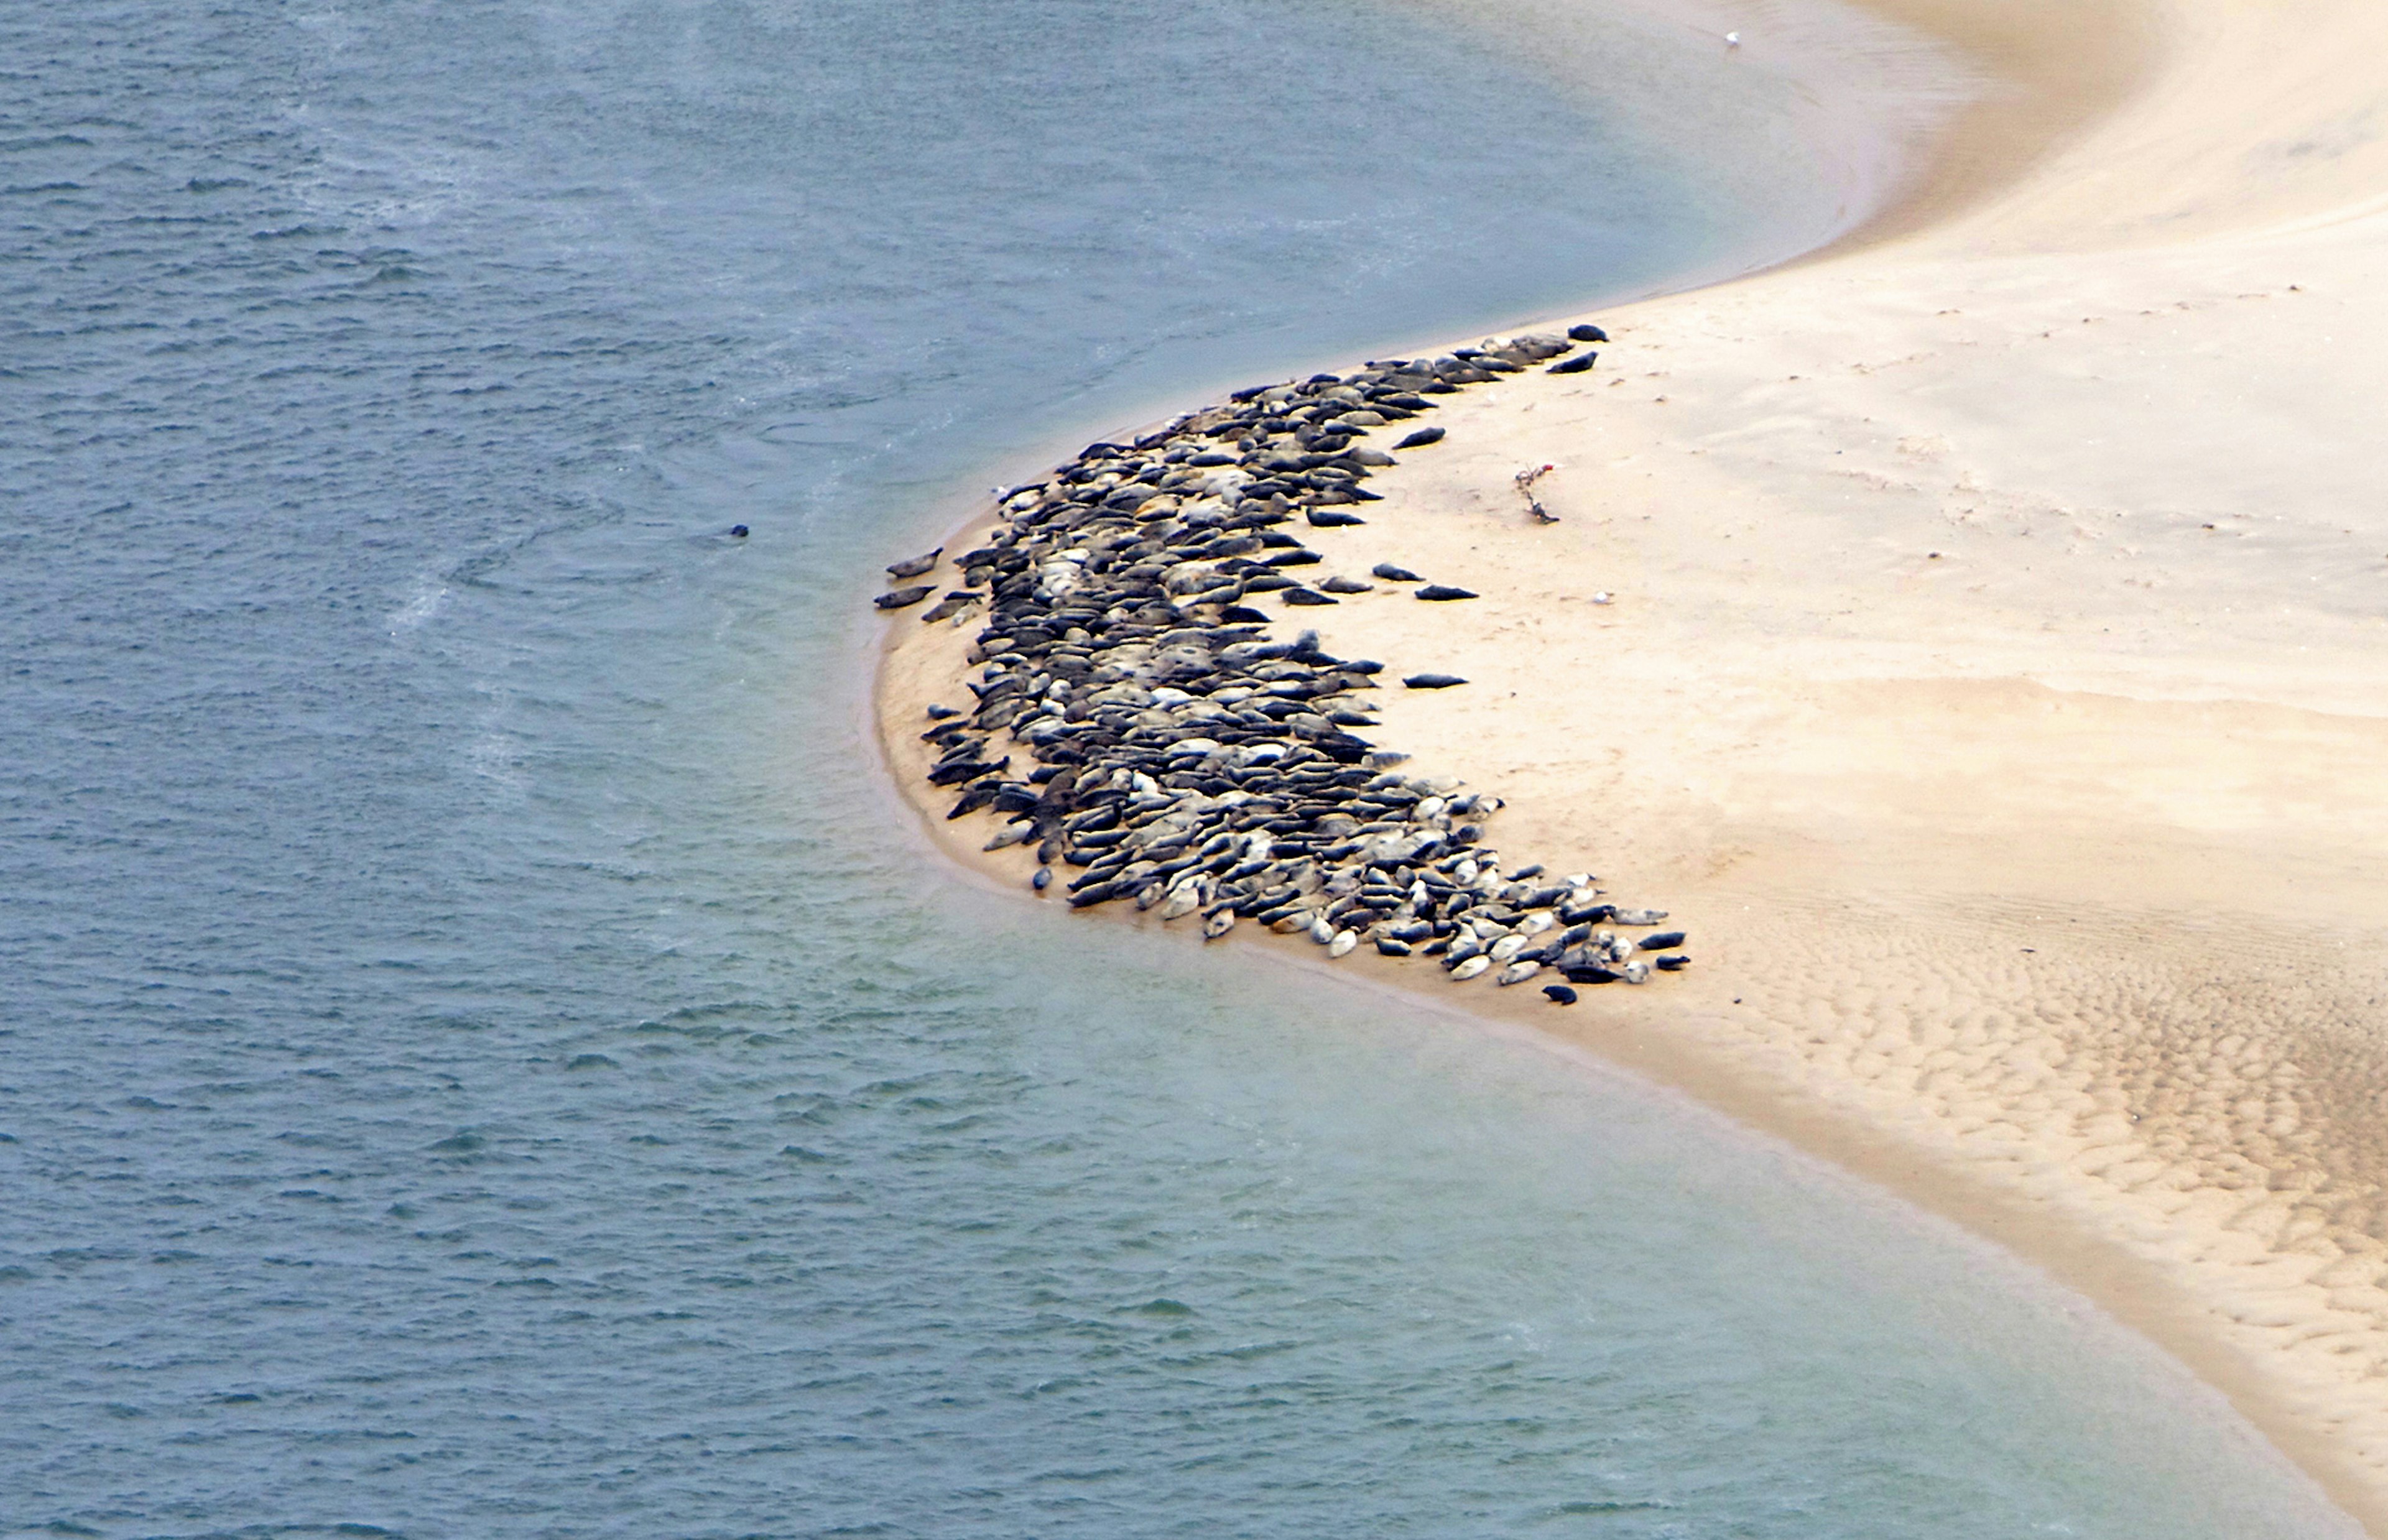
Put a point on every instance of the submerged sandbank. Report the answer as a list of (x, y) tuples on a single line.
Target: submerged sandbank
[(1993, 683)]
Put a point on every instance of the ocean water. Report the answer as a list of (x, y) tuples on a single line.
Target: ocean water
[(482, 1052)]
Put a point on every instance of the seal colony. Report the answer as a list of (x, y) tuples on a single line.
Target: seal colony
[(1187, 758)]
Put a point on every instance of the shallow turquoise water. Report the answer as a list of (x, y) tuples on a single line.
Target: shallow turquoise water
[(480, 1052)]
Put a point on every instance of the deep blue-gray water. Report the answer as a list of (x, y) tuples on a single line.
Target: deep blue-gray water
[(481, 1051)]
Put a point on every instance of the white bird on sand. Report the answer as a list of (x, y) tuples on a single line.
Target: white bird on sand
[(1733, 40)]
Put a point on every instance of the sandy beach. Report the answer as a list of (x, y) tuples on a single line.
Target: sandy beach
[(1976, 637)]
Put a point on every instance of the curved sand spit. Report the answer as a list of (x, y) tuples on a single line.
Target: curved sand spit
[(1996, 683)]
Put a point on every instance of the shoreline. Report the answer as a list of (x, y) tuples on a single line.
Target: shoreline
[(2008, 1096)]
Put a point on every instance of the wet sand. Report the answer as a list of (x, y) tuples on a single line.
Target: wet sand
[(1994, 681)]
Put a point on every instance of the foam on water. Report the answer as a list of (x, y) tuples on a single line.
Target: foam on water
[(479, 1052)]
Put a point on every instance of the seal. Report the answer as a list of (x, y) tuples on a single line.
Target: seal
[(902, 598), (1420, 438), (1586, 332), (1559, 995), (1443, 593), (1393, 574), (913, 566), (1576, 365), (1432, 681)]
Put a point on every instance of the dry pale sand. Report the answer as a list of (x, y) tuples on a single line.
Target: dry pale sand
[(1995, 681)]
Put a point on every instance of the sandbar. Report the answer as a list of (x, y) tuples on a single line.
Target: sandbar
[(1976, 634)]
